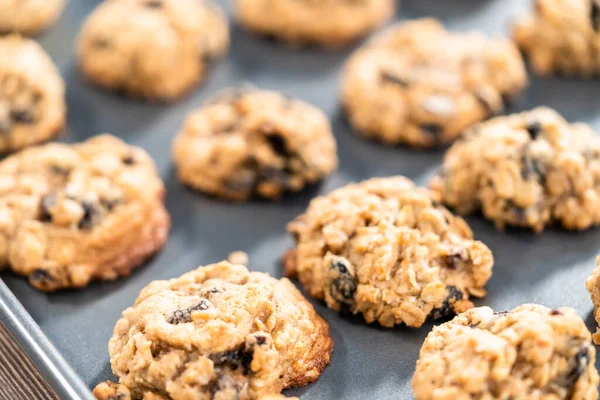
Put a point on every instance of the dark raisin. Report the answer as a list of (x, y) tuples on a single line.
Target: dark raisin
[(343, 284), (578, 367), (456, 258), (555, 312), (518, 213), (22, 116), (595, 14), (388, 77), (59, 170), (128, 160), (153, 3), (532, 168), (233, 359), (432, 129), (534, 129), (447, 308), (278, 145), (260, 339), (41, 275), (109, 204), (184, 316), (46, 204), (91, 214), (101, 43)]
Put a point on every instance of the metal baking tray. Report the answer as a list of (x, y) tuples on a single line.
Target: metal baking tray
[(368, 361)]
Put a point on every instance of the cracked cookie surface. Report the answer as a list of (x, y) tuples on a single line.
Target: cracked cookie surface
[(32, 103), (28, 17), (384, 249), (247, 142), (420, 85), (526, 170), (218, 332), (156, 49), (70, 214), (322, 22), (531, 352), (561, 37)]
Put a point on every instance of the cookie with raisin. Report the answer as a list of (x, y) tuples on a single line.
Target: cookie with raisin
[(247, 142), (328, 23), (385, 249), (527, 170), (29, 17), (218, 332), (32, 95), (561, 37), (155, 49), (531, 352), (420, 85), (70, 214)]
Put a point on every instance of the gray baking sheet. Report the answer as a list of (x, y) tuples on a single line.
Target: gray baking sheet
[(368, 361)]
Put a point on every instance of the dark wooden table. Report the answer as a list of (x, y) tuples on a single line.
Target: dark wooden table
[(19, 380)]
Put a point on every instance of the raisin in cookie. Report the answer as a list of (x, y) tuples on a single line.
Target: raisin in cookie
[(157, 49), (219, 332), (383, 248), (73, 213), (562, 36), (29, 17), (247, 142), (526, 170), (321, 22), (32, 103), (531, 352), (420, 85), (593, 286)]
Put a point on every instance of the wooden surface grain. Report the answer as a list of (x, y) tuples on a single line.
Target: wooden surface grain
[(19, 380)]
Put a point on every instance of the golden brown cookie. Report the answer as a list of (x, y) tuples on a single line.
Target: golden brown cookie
[(420, 85), (321, 22), (218, 332), (527, 170), (248, 142), (593, 286), (29, 17), (32, 98), (531, 352), (156, 49), (70, 214), (384, 249), (561, 36)]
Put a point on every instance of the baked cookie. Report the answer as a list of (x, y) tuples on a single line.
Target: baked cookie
[(526, 170), (562, 36), (531, 352), (219, 332), (420, 85), (73, 213), (247, 142), (384, 249), (593, 286), (327, 23), (29, 17), (32, 94), (157, 49)]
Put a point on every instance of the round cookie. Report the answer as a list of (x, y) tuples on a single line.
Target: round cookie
[(384, 249), (32, 94), (570, 33), (219, 332), (420, 85), (531, 352), (526, 170), (156, 49), (29, 17), (247, 142), (327, 23), (73, 213)]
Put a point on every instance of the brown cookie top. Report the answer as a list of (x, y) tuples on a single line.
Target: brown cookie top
[(219, 331), (73, 213), (384, 249)]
